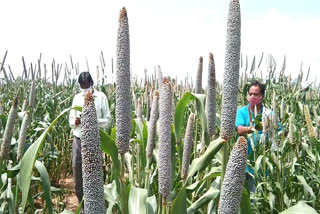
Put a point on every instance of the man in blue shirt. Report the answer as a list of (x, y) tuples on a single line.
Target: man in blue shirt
[(245, 123)]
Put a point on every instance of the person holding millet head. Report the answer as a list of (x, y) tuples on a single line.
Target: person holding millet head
[(104, 120), (245, 121), (255, 98)]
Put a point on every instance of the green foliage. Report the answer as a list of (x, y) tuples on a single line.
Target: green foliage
[(44, 178), (28, 161), (284, 175)]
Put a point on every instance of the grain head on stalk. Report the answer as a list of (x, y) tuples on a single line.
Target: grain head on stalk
[(187, 148), (231, 73), (164, 163), (32, 96), (316, 117), (308, 121), (23, 135), (8, 132), (91, 154), (173, 107), (24, 105), (1, 112), (123, 94), (153, 125), (160, 78), (147, 98), (139, 110), (211, 96), (199, 76), (231, 190), (282, 108), (291, 129), (275, 118)]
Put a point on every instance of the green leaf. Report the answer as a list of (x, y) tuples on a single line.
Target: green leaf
[(10, 197), (142, 136), (179, 113), (137, 200), (245, 204), (211, 194), (145, 135), (180, 109), (30, 199), (109, 210), (306, 187), (200, 99), (214, 172), (13, 171), (143, 152), (111, 195), (300, 208), (194, 185), (257, 121), (179, 203), (113, 133), (110, 192), (151, 203), (29, 158), (271, 199), (45, 181), (78, 108), (204, 160), (78, 211), (3, 119), (308, 149), (109, 147), (3, 206), (258, 164), (128, 161), (142, 132), (173, 156), (133, 129)]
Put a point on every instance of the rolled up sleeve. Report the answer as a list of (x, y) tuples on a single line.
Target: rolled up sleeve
[(72, 114), (105, 120), (240, 120)]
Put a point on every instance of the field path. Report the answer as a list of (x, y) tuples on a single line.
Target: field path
[(70, 198)]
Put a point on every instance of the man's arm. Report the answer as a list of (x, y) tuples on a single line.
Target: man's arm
[(73, 115), (243, 130), (105, 120), (241, 124)]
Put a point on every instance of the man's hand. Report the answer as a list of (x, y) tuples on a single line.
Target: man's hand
[(77, 121)]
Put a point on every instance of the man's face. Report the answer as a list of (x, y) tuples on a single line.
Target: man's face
[(254, 91), (85, 85)]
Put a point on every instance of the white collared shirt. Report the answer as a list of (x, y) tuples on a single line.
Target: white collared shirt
[(102, 109)]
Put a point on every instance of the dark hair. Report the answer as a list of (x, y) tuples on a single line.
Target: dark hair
[(85, 77), (260, 85)]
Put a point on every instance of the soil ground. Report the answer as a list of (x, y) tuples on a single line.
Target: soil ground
[(71, 199)]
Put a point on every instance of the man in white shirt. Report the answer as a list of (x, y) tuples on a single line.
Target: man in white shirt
[(104, 121)]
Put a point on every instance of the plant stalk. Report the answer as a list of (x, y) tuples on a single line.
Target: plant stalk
[(225, 156), (123, 197)]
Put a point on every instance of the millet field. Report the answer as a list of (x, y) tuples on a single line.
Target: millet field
[(172, 146)]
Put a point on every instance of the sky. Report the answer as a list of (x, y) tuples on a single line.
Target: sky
[(172, 34)]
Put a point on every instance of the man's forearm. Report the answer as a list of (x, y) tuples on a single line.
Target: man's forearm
[(242, 130)]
